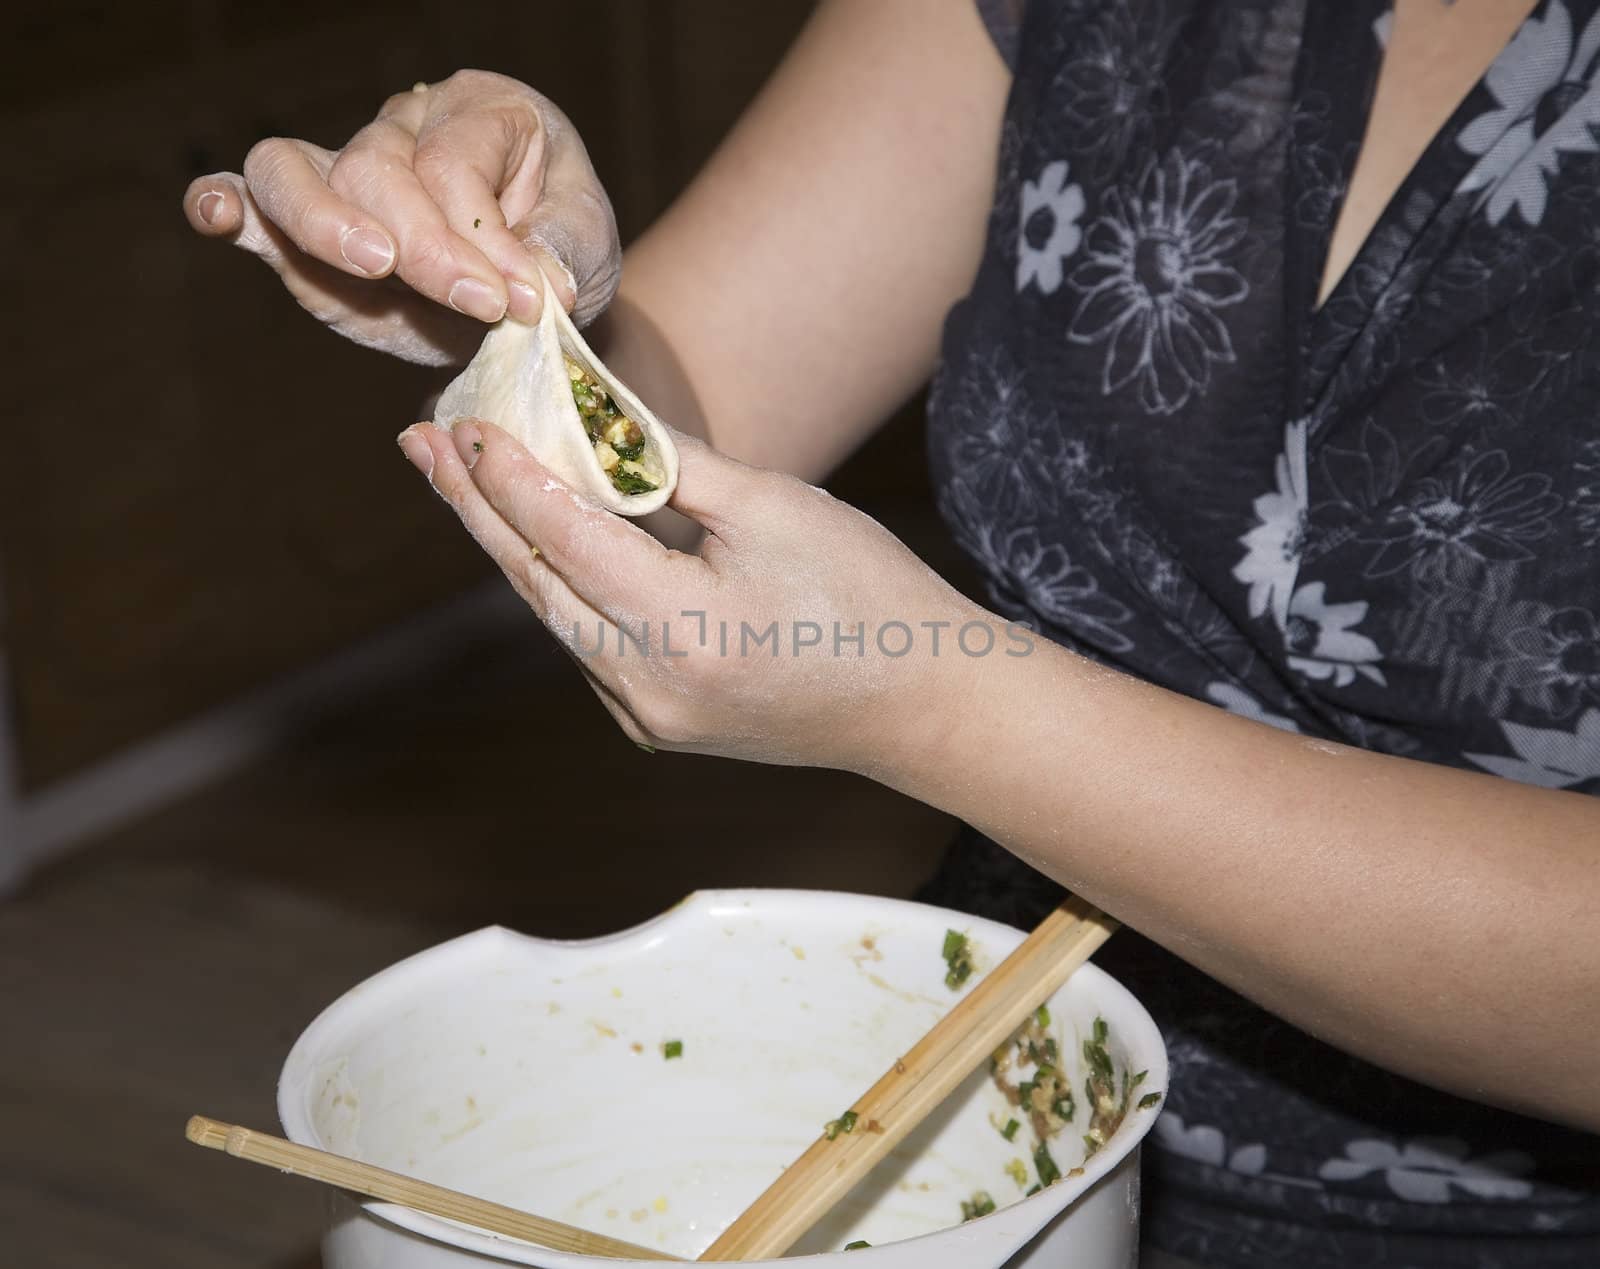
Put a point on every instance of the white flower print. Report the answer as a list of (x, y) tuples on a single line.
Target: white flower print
[(1424, 1169), (1113, 88), (1047, 227), (1447, 527), (1029, 574), (1274, 546), (1153, 279), (1547, 102), (1474, 386), (1321, 643), (997, 445), (1238, 701), (1205, 1144), (1552, 758), (1556, 664), (1061, 592)]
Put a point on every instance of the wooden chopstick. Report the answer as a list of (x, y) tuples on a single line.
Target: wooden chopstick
[(394, 1187), (917, 1083)]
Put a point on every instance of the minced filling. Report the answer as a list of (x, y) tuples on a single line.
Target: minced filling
[(618, 441), (1044, 1100)]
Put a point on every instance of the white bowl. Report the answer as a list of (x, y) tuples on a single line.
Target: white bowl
[(531, 1072)]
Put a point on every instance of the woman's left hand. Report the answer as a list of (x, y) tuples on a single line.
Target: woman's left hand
[(803, 632)]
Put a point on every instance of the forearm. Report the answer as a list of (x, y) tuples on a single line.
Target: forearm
[(1437, 922), (793, 296)]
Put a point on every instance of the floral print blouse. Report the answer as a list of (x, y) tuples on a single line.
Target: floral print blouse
[(1374, 521)]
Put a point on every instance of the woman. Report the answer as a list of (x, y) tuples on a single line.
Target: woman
[(1269, 384)]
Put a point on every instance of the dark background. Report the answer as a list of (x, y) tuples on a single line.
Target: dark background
[(200, 495)]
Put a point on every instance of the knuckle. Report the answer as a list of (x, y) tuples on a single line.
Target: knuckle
[(266, 160), (424, 254), (396, 103), (471, 80), (434, 160), (560, 541), (356, 172), (531, 576)]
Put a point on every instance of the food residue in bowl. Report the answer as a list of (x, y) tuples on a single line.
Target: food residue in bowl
[(957, 953), (1045, 1100)]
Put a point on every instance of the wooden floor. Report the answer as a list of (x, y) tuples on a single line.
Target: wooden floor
[(167, 971)]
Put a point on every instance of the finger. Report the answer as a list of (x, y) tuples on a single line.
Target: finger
[(408, 109), (572, 222), (596, 645), (465, 160), (374, 173), (631, 727), (715, 491), (582, 631), (213, 205), (288, 181), (225, 198), (609, 561)]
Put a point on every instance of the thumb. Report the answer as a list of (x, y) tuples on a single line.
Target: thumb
[(713, 490), (573, 232)]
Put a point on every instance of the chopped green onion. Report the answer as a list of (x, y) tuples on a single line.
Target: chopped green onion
[(626, 482), (672, 1049), (845, 1123), (1033, 1191), (1149, 1100), (1045, 1165), (979, 1205), (857, 1245), (1009, 1132), (1042, 1014), (958, 957)]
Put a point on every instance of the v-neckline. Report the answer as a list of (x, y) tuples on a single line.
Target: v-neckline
[(1389, 23), (1441, 162)]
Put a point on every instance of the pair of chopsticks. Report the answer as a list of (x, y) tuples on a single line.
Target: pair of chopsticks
[(906, 1094)]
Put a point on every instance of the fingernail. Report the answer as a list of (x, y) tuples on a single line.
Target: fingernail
[(209, 207), (549, 254), (469, 443), (526, 303), (477, 299), (367, 249), (418, 451)]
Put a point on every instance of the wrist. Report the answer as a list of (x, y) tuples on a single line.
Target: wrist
[(915, 730)]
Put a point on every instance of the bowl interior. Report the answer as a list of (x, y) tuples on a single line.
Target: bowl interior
[(534, 1072)]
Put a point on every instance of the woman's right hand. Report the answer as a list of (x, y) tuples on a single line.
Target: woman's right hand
[(439, 216)]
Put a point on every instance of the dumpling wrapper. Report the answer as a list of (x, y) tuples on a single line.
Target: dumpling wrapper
[(519, 382)]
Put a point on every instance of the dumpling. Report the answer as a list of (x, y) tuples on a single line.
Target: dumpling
[(543, 385)]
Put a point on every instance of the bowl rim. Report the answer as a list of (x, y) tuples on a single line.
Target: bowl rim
[(1012, 1225)]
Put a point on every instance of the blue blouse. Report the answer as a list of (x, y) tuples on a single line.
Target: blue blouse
[(1373, 521)]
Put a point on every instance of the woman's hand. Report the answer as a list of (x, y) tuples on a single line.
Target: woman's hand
[(440, 215), (803, 632)]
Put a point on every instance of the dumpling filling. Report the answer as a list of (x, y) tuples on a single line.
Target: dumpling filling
[(619, 442)]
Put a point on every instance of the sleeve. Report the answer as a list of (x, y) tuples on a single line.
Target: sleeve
[(1004, 20)]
